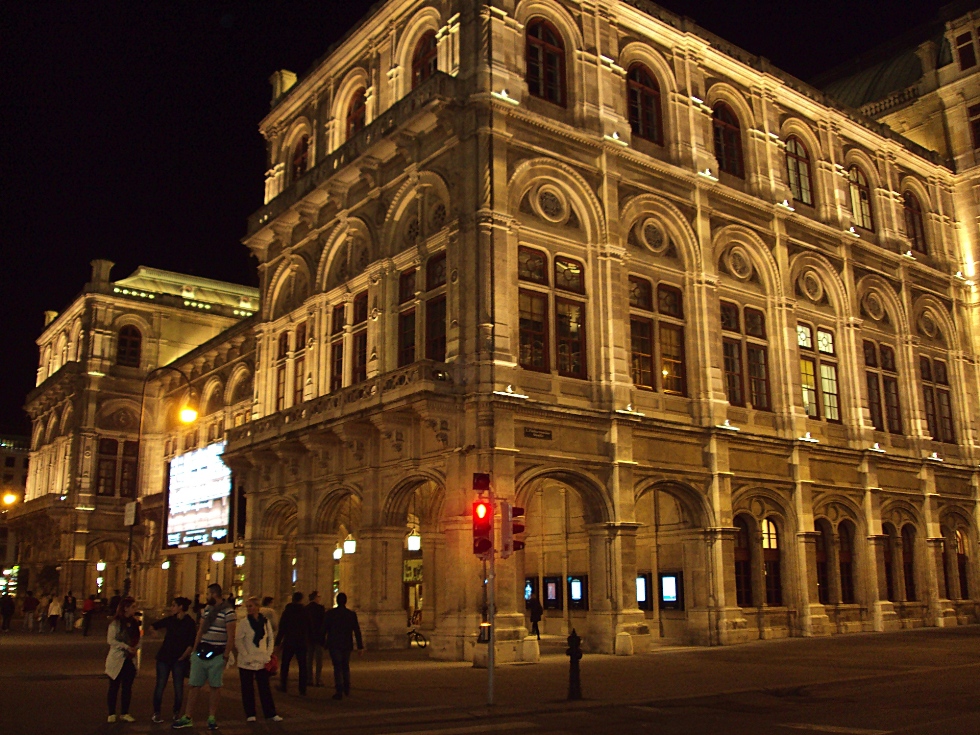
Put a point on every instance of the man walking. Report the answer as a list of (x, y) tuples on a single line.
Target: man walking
[(173, 658), (340, 628), (316, 612), (68, 608), (30, 610), (293, 636), (6, 611), (213, 647), (534, 607)]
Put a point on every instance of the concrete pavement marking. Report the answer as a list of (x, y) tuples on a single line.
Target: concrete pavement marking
[(485, 727), (836, 729)]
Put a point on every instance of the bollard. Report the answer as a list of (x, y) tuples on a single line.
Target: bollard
[(574, 654)]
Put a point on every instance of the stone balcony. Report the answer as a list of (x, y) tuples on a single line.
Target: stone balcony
[(440, 86), (381, 391)]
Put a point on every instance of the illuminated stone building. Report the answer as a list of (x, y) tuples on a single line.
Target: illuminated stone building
[(14, 463), (697, 317), (86, 416)]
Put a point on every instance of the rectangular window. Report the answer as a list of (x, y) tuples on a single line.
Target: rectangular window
[(641, 293), (755, 323), (128, 479), (758, 359), (406, 338), (874, 401), (569, 275), (804, 336), (337, 319), (533, 321), (299, 379), (435, 271), (108, 459), (359, 365), (974, 124), (435, 329), (929, 399), (532, 265), (670, 301), (570, 338), (336, 366), (774, 584), (730, 321), (743, 583), (808, 377), (360, 308), (672, 359), (892, 409), (945, 417), (281, 387), (965, 52), (733, 371), (828, 386), (641, 347), (406, 286)]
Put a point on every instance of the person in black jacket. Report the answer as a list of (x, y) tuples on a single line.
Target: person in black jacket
[(339, 628), (314, 654), (293, 636), (534, 607)]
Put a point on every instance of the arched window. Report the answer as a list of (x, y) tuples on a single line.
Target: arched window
[(299, 364), (129, 347), (425, 59), (301, 156), (743, 563), (860, 198), (845, 559), (745, 356), (770, 561), (728, 140), (823, 579), (888, 550), (545, 56), (798, 169), (356, 113), (281, 354), (643, 98), (961, 564), (914, 229), (908, 561)]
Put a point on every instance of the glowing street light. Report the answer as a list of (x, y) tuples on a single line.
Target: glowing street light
[(10, 497), (218, 556)]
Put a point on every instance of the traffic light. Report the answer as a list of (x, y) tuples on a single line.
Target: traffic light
[(482, 527), (512, 524)]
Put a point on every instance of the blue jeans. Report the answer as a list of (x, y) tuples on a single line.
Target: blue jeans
[(178, 670)]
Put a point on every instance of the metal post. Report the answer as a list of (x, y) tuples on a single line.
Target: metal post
[(491, 601)]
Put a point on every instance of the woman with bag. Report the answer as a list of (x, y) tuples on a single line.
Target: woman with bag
[(256, 662), (123, 638)]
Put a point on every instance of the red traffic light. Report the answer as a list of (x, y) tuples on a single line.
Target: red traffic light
[(480, 510), (482, 527)]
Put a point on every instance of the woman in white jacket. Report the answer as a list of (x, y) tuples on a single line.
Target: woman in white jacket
[(254, 642), (123, 638)]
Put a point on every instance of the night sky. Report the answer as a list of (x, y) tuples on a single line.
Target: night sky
[(129, 130)]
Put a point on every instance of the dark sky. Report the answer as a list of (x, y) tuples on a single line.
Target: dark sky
[(129, 129)]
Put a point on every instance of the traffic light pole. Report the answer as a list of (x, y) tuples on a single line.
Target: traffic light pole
[(491, 613)]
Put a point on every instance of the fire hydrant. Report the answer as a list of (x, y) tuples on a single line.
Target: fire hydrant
[(574, 654)]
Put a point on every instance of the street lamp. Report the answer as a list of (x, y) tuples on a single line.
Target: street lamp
[(187, 415), (10, 497)]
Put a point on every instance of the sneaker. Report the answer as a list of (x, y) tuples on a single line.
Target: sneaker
[(275, 718), (250, 719), (127, 718), (156, 718), (212, 723), (183, 723), (112, 718)]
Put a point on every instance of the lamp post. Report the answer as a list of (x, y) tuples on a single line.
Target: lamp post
[(187, 415)]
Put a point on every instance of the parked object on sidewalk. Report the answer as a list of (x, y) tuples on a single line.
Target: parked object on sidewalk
[(574, 653), (123, 638), (340, 629), (255, 644)]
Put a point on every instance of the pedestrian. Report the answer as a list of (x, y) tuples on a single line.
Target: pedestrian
[(173, 658), (31, 603), (88, 609), (255, 643), (269, 612), (6, 611), (42, 614), (315, 611), (534, 607), (340, 628), (293, 636), (68, 608), (213, 648), (123, 638), (54, 613)]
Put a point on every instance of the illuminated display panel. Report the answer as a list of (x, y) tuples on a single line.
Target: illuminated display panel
[(198, 499)]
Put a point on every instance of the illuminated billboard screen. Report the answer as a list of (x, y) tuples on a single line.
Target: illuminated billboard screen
[(198, 498)]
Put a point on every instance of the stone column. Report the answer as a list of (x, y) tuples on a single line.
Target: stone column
[(379, 566), (815, 621), (615, 623), (459, 596), (262, 568)]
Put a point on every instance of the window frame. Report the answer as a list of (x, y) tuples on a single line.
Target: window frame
[(547, 57), (965, 50), (356, 118), (802, 162), (858, 185), (299, 158), (727, 136), (643, 104), (819, 359), (741, 345), (915, 229), (939, 412), (425, 58), (884, 394), (129, 346)]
